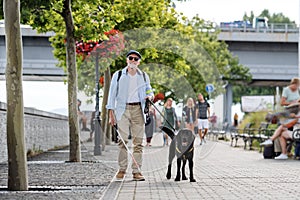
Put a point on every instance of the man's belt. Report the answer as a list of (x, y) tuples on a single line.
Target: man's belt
[(134, 103)]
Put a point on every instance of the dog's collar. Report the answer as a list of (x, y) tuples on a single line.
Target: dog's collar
[(180, 151)]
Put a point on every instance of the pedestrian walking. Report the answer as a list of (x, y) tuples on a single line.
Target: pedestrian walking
[(235, 120), (203, 117), (190, 114), (170, 118), (82, 117), (129, 89), (213, 120)]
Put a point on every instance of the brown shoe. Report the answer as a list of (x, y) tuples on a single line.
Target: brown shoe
[(138, 177), (120, 174)]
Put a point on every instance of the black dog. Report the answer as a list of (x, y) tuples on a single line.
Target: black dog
[(182, 146)]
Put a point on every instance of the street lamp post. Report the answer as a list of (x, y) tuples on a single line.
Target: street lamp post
[(98, 131), (299, 43)]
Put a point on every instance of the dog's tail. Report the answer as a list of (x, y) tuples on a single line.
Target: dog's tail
[(168, 131)]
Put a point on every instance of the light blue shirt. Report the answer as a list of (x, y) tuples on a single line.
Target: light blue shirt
[(118, 92), (290, 95)]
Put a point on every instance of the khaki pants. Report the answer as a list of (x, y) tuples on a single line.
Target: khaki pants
[(132, 120)]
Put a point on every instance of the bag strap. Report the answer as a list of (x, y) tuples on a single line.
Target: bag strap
[(119, 76)]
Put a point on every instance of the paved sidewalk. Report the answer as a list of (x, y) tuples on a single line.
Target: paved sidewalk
[(50, 176), (221, 172)]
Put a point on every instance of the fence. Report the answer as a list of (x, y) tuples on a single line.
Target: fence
[(272, 28)]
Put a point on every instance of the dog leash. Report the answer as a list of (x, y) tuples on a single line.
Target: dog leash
[(120, 137), (149, 101)]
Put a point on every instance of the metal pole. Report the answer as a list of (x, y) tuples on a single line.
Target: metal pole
[(98, 131), (229, 103), (299, 42)]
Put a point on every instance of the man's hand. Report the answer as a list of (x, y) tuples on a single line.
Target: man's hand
[(112, 119), (149, 98)]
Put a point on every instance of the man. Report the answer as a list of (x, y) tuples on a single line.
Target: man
[(203, 110), (128, 92)]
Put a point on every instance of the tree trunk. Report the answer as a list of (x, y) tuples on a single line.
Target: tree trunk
[(74, 133), (17, 161), (105, 119)]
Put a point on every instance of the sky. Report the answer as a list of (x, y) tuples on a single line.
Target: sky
[(42, 95), (231, 10)]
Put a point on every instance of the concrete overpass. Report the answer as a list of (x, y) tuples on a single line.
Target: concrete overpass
[(38, 60), (270, 54)]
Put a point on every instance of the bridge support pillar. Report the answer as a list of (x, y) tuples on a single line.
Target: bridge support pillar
[(227, 104)]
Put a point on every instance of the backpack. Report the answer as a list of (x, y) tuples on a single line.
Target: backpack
[(269, 152)]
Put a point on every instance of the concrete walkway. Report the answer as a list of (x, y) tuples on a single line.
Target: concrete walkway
[(221, 172)]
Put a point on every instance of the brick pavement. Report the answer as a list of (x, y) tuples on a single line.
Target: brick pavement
[(221, 171)]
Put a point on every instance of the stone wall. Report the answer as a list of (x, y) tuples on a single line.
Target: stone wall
[(43, 130)]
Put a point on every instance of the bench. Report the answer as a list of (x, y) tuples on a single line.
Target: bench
[(260, 134), (241, 133), (220, 131), (268, 133)]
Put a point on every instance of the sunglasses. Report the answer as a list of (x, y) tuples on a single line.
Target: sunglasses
[(133, 58)]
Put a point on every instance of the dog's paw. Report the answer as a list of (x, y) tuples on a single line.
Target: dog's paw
[(168, 175), (184, 178), (192, 180), (177, 179)]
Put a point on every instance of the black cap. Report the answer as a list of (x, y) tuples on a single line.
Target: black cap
[(134, 52)]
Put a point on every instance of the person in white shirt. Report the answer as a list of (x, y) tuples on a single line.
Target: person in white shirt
[(128, 92)]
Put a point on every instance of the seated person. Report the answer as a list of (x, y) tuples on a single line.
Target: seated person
[(82, 117), (290, 97), (284, 134)]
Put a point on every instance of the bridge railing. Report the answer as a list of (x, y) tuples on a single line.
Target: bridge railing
[(272, 28)]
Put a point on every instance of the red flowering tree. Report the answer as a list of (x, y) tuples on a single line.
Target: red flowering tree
[(159, 96), (107, 48), (106, 51)]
